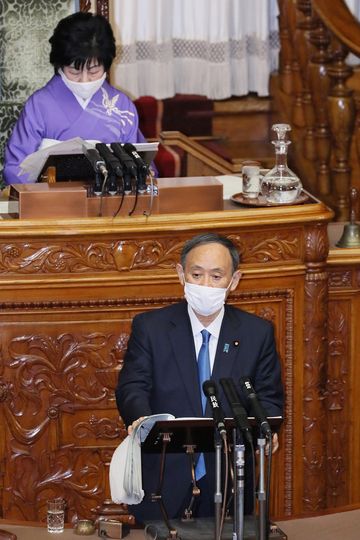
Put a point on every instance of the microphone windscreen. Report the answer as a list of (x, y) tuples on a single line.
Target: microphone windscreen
[(209, 388)]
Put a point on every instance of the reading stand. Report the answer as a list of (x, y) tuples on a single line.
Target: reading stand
[(192, 435), (198, 432), (70, 167)]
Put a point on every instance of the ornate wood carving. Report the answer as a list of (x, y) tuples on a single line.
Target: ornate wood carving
[(315, 348), (337, 404), (57, 405), (125, 255), (268, 247), (60, 412), (267, 312), (342, 381), (86, 304), (122, 256), (340, 278)]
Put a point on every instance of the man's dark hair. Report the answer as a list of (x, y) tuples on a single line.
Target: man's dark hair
[(210, 238), (81, 37)]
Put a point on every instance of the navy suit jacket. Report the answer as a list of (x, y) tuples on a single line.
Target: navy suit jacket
[(160, 376)]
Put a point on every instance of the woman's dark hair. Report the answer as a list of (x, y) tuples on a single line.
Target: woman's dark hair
[(79, 38), (211, 238)]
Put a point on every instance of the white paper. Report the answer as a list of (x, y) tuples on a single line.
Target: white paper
[(125, 466), (232, 184)]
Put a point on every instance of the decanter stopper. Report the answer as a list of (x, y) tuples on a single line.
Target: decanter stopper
[(281, 130)]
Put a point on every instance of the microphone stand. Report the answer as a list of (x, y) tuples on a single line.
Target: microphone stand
[(263, 529), (217, 494), (239, 487), (97, 189)]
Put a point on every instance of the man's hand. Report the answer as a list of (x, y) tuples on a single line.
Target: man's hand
[(275, 445), (134, 424)]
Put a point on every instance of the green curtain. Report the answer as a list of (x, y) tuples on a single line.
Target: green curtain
[(25, 28)]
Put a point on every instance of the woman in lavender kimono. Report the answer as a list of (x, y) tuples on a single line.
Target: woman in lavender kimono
[(77, 101)]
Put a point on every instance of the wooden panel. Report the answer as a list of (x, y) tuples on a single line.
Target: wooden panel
[(338, 405), (343, 388), (343, 404)]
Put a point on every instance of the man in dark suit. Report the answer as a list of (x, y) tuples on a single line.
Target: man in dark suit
[(160, 373)]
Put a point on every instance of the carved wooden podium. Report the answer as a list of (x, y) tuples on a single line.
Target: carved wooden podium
[(69, 289)]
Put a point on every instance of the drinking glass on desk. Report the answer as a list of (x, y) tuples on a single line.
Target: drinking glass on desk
[(55, 515), (251, 181)]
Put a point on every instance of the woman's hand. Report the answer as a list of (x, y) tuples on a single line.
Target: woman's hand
[(134, 425)]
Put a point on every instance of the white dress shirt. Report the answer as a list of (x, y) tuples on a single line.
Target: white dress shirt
[(213, 329)]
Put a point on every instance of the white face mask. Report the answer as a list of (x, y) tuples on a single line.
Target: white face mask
[(83, 90), (205, 300)]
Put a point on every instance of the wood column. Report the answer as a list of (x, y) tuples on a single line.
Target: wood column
[(314, 375)]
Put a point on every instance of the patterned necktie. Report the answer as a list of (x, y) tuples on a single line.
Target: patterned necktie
[(204, 375)]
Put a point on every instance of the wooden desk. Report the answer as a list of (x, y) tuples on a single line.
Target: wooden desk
[(30, 530), (68, 292)]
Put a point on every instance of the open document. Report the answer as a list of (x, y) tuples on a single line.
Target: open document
[(125, 465), (34, 163)]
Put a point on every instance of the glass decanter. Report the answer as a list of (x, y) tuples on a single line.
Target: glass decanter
[(280, 185)]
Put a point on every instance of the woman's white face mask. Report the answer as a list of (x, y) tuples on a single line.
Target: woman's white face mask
[(205, 300), (83, 90)]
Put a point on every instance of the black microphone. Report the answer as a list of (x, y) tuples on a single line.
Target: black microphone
[(98, 164), (142, 167), (112, 162), (238, 410), (210, 391), (127, 162), (256, 406), (114, 167)]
